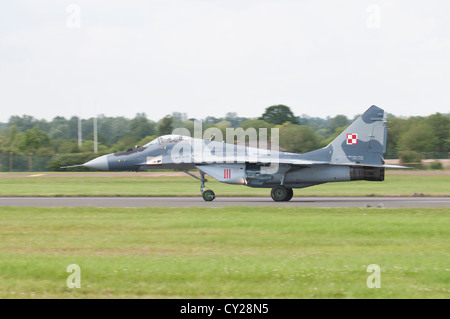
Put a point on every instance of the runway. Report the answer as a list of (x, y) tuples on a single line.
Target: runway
[(225, 201)]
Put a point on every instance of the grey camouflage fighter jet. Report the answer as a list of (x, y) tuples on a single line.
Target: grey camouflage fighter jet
[(356, 154)]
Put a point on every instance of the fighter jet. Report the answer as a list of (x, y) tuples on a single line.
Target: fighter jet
[(356, 154)]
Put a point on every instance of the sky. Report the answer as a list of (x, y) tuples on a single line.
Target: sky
[(209, 57)]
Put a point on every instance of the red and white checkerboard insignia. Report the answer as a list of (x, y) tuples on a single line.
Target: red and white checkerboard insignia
[(352, 139)]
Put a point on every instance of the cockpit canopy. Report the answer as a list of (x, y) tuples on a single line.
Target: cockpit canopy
[(168, 139)]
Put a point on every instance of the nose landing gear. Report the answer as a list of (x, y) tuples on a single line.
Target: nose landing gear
[(207, 195)]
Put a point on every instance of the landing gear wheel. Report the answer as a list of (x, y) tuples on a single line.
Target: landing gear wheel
[(281, 193), (208, 195), (290, 194)]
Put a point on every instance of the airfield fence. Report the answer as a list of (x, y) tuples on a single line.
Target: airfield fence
[(24, 163)]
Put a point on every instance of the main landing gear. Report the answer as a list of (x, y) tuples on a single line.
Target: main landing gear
[(281, 193)]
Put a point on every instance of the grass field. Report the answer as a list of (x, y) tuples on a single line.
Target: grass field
[(224, 252), (75, 185), (233, 252)]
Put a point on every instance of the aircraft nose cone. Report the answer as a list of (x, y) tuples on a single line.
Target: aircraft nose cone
[(100, 163)]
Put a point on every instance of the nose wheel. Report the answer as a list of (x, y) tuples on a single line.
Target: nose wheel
[(207, 194)]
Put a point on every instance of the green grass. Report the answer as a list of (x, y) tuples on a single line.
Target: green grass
[(394, 185), (237, 252)]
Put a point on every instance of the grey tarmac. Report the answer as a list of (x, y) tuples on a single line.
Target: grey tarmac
[(380, 202)]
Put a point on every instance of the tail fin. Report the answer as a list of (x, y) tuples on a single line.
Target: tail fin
[(363, 142)]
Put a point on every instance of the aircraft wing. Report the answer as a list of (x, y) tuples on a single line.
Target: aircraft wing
[(291, 161)]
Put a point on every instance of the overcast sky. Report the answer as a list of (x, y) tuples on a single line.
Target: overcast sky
[(210, 57)]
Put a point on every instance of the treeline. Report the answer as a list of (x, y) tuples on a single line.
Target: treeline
[(408, 138)]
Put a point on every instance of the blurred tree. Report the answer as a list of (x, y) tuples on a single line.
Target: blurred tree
[(63, 146), (141, 127), (440, 126), (418, 138), (88, 147), (7, 138), (125, 143), (211, 120), (279, 114), (32, 140), (113, 128), (318, 125), (222, 126), (336, 122), (100, 138), (396, 127), (165, 125), (336, 133), (189, 125), (146, 140), (72, 125), (178, 118), (59, 128), (12, 136), (258, 124), (297, 138), (26, 122), (234, 119)]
